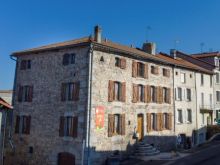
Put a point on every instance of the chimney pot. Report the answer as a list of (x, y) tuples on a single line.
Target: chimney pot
[(98, 34), (149, 47)]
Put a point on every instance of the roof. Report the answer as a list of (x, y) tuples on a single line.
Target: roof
[(182, 63), (207, 54), (5, 104), (6, 91)]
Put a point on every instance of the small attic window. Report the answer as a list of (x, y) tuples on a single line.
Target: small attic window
[(102, 59)]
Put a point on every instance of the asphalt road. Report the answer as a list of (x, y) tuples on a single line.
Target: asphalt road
[(207, 156)]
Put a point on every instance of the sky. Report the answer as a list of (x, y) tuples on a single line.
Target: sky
[(180, 24)]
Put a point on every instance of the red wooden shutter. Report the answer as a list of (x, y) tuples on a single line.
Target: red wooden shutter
[(110, 125), (28, 123), (135, 93), (111, 91), (20, 93), (134, 69), (123, 63), (61, 130), (17, 124), (122, 124), (146, 71), (123, 92), (63, 93), (30, 93), (76, 89), (75, 126)]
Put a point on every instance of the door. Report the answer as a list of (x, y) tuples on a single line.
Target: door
[(65, 158), (140, 129)]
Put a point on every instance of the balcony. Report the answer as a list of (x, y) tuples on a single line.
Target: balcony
[(206, 108)]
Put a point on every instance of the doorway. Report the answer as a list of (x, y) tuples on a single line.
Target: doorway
[(65, 158), (140, 126)]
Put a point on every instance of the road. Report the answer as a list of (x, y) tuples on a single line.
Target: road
[(207, 156)]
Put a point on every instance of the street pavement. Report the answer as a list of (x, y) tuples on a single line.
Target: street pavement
[(209, 155)]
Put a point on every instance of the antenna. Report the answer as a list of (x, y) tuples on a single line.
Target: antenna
[(202, 44), (148, 29), (176, 42)]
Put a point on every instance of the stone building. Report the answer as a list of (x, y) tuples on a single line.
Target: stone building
[(78, 101)]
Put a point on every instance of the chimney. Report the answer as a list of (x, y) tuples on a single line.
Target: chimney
[(98, 34), (173, 53), (149, 47)]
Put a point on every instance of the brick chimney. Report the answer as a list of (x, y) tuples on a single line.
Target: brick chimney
[(149, 47), (98, 34)]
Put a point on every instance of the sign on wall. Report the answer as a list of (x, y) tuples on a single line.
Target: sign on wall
[(99, 117)]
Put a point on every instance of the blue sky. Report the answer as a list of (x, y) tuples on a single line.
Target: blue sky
[(27, 23)]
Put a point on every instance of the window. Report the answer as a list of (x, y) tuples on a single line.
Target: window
[(68, 126), (140, 93), (116, 91), (22, 125), (154, 69), (202, 79), (183, 77), (70, 91), (176, 73), (166, 72), (217, 77), (25, 93), (165, 121), (140, 69), (202, 99), (25, 64), (154, 121), (116, 124), (153, 94), (218, 96), (189, 115), (165, 95), (68, 59), (180, 116), (179, 94), (188, 94), (190, 75), (210, 100), (117, 62), (120, 62), (210, 81)]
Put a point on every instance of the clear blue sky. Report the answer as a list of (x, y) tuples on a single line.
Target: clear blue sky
[(27, 23)]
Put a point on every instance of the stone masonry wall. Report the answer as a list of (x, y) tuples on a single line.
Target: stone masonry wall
[(46, 75)]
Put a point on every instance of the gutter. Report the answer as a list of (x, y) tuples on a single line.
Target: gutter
[(89, 105)]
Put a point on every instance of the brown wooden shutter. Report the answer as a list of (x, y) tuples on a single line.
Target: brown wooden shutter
[(158, 94), (17, 124), (62, 122), (123, 92), (156, 70), (75, 126), (122, 124), (123, 63), (30, 93), (148, 122), (28, 123), (168, 72), (170, 121), (134, 69), (76, 89), (169, 95), (135, 93), (110, 125), (146, 71), (162, 122), (20, 93), (110, 91), (159, 122), (63, 93), (148, 94)]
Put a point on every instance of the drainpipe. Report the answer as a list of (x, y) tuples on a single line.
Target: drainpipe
[(89, 104), (3, 138), (196, 108), (174, 106)]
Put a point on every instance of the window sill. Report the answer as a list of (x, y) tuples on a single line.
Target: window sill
[(68, 138), (179, 123)]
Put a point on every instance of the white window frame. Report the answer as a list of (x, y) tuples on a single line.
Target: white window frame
[(183, 77)]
